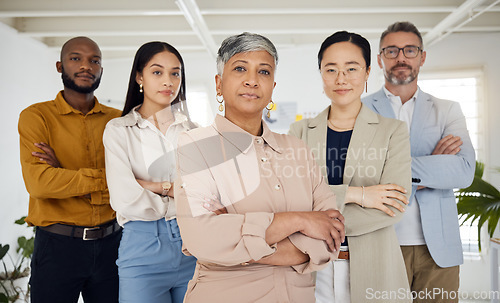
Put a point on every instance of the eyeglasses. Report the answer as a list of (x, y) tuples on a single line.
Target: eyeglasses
[(351, 73), (392, 52)]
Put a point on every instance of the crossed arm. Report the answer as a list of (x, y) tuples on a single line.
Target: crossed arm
[(322, 225), (48, 156), (378, 196), (449, 145), (260, 237), (452, 162), (45, 177)]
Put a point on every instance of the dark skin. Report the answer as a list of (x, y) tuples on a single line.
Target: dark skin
[(81, 58)]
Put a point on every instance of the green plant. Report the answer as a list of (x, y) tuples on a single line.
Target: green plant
[(480, 201), (18, 268)]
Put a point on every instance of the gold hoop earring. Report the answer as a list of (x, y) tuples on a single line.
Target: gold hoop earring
[(269, 109), (220, 101), (140, 88)]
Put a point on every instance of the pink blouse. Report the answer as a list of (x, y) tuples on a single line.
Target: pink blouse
[(253, 177)]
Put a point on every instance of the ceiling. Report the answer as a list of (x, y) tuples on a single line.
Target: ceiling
[(121, 26)]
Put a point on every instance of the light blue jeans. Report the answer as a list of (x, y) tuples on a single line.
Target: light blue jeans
[(151, 265)]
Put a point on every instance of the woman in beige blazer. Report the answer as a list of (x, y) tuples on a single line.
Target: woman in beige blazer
[(278, 210), (366, 159)]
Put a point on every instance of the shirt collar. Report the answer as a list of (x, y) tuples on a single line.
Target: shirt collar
[(233, 133), (64, 108), (135, 118), (391, 96)]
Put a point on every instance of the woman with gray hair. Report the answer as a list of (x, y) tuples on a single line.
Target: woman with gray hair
[(252, 205)]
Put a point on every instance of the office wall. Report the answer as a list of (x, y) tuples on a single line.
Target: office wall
[(29, 76), (472, 51)]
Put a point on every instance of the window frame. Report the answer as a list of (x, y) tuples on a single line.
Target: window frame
[(481, 149)]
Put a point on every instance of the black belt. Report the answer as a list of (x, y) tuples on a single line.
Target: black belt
[(85, 233)]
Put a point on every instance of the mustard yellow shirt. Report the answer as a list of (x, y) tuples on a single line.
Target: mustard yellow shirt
[(57, 194)]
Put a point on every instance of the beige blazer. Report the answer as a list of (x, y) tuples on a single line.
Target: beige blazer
[(378, 153)]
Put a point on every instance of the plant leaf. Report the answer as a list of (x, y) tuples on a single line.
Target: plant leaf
[(479, 202), (479, 169), (3, 250), (29, 247), (479, 186), (21, 221), (21, 241)]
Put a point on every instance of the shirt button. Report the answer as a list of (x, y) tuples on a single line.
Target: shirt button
[(263, 159), (277, 187), (258, 140)]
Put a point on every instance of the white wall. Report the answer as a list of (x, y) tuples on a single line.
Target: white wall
[(463, 51), (476, 51), (29, 76), (200, 73)]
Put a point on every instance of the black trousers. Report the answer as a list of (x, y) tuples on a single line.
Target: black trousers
[(62, 267)]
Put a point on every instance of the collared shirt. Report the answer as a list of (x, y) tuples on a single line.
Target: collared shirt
[(253, 177), (409, 229), (403, 112), (57, 195), (136, 149)]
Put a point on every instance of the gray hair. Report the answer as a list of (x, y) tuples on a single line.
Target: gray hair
[(242, 43), (406, 26)]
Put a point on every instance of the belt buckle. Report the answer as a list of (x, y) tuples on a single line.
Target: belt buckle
[(86, 229)]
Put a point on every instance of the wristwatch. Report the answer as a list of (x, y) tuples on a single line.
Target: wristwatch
[(165, 186)]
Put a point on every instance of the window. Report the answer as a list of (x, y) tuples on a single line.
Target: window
[(199, 108), (465, 87)]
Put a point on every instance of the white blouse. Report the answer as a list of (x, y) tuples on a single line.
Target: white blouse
[(135, 148)]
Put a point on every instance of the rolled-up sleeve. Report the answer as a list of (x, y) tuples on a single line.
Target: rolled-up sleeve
[(323, 199), (44, 181), (226, 239), (128, 198)]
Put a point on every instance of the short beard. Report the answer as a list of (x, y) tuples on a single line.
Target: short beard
[(395, 80), (69, 83)]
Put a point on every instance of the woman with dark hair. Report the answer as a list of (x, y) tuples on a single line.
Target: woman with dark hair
[(366, 160), (274, 220), (140, 170)]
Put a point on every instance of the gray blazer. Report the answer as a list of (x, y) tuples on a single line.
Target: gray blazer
[(432, 120), (379, 153)]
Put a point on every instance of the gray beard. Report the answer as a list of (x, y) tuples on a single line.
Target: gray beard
[(400, 81)]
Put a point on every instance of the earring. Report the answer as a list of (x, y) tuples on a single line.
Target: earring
[(366, 87), (269, 109), (140, 88), (221, 100)]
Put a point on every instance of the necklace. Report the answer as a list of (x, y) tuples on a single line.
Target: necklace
[(339, 128)]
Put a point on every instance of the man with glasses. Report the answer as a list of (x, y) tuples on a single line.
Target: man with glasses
[(442, 159)]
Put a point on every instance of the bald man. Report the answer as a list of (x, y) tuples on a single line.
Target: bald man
[(62, 159)]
